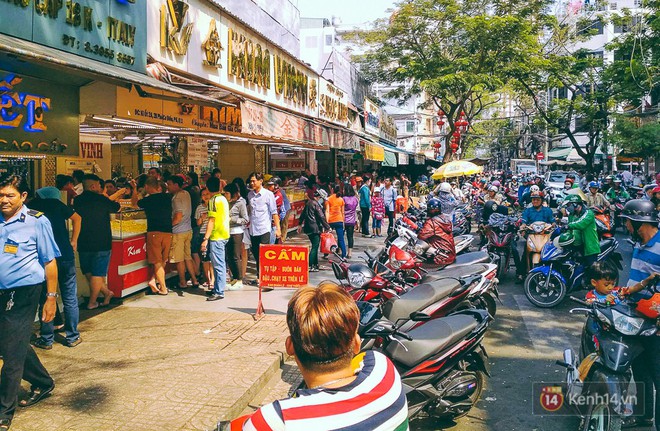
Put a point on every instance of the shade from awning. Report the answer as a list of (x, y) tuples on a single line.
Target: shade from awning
[(390, 160)]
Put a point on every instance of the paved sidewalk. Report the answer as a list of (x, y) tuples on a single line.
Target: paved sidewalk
[(157, 369)]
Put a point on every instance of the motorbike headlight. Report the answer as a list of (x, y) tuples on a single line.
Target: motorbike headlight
[(395, 264), (356, 279), (625, 324)]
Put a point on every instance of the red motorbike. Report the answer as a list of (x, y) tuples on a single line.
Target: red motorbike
[(603, 222), (501, 232)]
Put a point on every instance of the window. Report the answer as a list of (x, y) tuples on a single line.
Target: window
[(328, 40), (613, 6), (597, 55), (588, 29), (410, 127), (638, 3), (562, 93)]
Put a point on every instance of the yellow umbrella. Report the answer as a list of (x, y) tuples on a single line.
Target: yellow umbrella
[(456, 168)]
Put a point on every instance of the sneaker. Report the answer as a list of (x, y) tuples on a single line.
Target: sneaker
[(42, 344), (73, 343), (235, 285), (215, 297), (313, 269), (253, 283)]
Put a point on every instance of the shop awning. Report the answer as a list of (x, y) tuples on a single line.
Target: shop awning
[(59, 60), (559, 153), (390, 160)]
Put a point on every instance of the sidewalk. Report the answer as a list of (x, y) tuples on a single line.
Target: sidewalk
[(175, 362)]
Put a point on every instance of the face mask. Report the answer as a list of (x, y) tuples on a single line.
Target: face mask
[(570, 208), (567, 186)]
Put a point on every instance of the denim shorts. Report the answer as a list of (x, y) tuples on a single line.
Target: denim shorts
[(94, 262)]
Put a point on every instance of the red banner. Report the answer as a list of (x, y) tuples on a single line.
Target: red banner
[(283, 265)]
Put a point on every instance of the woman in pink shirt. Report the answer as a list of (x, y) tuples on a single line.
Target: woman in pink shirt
[(350, 216), (377, 211)]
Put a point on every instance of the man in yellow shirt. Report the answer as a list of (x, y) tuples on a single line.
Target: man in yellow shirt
[(215, 239)]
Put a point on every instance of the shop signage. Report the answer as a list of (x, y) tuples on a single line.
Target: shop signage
[(374, 152), (212, 46), (37, 116), (372, 115), (403, 159), (198, 151), (261, 120), (420, 159), (174, 35), (387, 128), (333, 103), (110, 31), (247, 60), (540, 156), (283, 266), (287, 164)]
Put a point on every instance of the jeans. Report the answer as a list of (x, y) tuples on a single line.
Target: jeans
[(66, 277), (234, 249), (20, 360), (365, 220), (217, 251), (390, 217), (339, 228), (315, 239), (646, 369), (255, 242), (350, 229)]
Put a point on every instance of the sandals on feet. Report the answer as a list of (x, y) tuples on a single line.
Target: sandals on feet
[(5, 424), (36, 395)]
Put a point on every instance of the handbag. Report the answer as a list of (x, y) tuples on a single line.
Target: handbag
[(378, 215), (328, 243)]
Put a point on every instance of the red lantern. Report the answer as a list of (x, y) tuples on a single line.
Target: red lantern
[(462, 113), (440, 123), (456, 134), (441, 113), (453, 147), (437, 144)]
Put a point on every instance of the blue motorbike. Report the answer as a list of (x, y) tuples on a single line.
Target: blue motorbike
[(561, 271)]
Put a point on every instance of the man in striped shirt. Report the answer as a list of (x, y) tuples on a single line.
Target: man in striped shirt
[(642, 222), (347, 392)]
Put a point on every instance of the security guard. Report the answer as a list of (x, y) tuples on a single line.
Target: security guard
[(27, 258)]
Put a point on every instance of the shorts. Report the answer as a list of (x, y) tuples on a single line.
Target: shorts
[(94, 262), (181, 247), (196, 243), (158, 247), (375, 224)]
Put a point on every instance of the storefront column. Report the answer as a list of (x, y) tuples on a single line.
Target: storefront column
[(260, 158)]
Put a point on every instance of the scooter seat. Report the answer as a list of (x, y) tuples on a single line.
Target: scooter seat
[(431, 338), (455, 272), (606, 243), (470, 259), (418, 298)]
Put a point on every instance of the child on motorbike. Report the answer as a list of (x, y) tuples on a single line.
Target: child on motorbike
[(603, 276)]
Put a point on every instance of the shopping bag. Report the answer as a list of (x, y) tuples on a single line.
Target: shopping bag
[(328, 243)]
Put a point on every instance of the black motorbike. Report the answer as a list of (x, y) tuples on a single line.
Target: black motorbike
[(602, 374), (442, 363)]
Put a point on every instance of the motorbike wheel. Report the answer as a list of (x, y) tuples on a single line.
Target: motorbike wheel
[(489, 302), (541, 295), (601, 418), (481, 383), (501, 265)]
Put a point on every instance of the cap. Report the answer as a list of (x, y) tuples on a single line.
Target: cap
[(359, 179)]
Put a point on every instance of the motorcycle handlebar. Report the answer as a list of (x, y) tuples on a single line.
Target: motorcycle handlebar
[(404, 335), (580, 301)]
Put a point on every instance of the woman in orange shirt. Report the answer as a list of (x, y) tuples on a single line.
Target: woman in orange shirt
[(334, 212)]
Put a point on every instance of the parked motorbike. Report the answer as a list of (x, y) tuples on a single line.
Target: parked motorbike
[(560, 271), (462, 221), (610, 343), (500, 234), (538, 234)]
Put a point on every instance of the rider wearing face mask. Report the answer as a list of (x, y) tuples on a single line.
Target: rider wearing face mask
[(582, 225), (437, 231), (594, 197)]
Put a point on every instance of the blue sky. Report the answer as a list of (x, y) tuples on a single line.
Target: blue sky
[(350, 11)]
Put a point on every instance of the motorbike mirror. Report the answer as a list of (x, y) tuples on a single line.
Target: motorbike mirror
[(418, 316)]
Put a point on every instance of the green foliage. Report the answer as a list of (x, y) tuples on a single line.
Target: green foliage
[(636, 136)]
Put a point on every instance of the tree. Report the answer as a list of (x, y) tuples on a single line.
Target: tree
[(639, 138), (456, 51)]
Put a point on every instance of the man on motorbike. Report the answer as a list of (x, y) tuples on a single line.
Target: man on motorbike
[(457, 192), (594, 197), (494, 195), (641, 218), (617, 192), (324, 341), (582, 225), (537, 212), (444, 193), (527, 197), (437, 231), (609, 182)]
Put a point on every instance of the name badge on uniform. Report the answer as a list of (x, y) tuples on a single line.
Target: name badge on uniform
[(11, 247)]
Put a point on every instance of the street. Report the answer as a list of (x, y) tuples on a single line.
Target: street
[(181, 363)]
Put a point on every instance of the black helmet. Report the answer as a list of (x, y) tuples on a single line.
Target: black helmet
[(275, 180), (640, 210), (492, 205), (434, 206)]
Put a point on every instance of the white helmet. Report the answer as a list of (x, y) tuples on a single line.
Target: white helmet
[(445, 187), (534, 188), (493, 189)]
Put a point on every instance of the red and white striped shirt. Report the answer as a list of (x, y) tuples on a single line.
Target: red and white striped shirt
[(374, 401)]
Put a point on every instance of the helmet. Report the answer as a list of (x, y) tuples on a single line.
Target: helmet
[(434, 206), (275, 180), (496, 183), (640, 210), (617, 180), (514, 178), (573, 199), (483, 180), (534, 189), (569, 180), (493, 188), (566, 239), (445, 187), (492, 205), (656, 189), (594, 184), (609, 177), (536, 194)]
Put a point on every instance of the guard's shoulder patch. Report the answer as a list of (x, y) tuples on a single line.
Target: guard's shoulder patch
[(35, 213)]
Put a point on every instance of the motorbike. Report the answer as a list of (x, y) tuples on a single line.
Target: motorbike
[(500, 235), (442, 363), (602, 372), (603, 222), (538, 234), (616, 207), (560, 271), (462, 220)]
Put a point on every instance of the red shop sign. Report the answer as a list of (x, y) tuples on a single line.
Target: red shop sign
[(540, 156), (134, 250), (283, 265)]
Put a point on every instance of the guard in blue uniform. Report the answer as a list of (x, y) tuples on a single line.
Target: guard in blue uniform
[(27, 258)]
